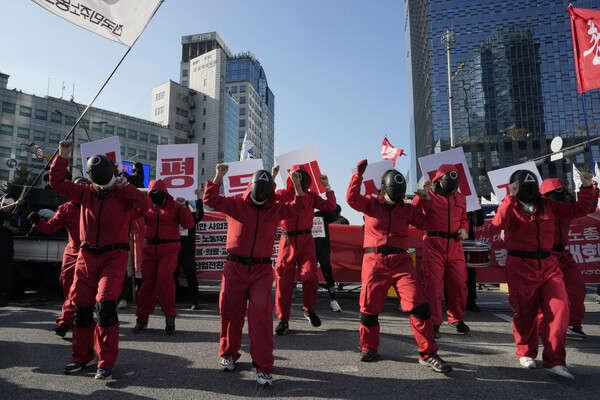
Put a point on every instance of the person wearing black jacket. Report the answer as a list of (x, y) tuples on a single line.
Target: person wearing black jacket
[(476, 218), (187, 254)]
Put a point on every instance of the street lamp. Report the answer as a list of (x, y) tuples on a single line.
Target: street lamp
[(448, 40)]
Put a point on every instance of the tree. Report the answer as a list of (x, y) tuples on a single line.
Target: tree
[(21, 178)]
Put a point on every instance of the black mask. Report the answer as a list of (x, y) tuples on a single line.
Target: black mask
[(559, 194), (303, 180), (158, 197), (261, 186), (449, 182), (528, 186), (100, 169), (394, 185)]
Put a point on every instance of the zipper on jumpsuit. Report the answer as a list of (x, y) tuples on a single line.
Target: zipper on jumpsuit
[(254, 240), (448, 238), (157, 220), (99, 215), (537, 227), (387, 237)]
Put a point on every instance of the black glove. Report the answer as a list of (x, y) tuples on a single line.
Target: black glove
[(361, 167), (34, 217)]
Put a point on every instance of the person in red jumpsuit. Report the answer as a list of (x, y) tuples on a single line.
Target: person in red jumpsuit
[(248, 273), (534, 277), (574, 283), (443, 257), (66, 216), (386, 263), (160, 251), (107, 206), (297, 247)]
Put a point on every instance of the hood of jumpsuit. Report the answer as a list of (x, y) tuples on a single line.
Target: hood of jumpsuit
[(550, 185), (443, 170), (160, 185), (296, 168)]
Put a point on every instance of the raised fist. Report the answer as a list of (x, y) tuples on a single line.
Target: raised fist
[(361, 167)]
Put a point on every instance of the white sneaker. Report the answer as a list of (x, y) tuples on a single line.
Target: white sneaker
[(561, 371), (335, 306), (122, 304), (227, 364), (264, 379), (527, 362)]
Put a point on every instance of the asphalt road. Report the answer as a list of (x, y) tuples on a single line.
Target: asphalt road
[(310, 363)]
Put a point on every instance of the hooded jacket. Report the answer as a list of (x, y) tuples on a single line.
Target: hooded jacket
[(162, 222), (103, 220), (304, 220), (251, 230)]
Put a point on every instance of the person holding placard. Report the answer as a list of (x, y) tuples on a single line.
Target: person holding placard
[(247, 281), (297, 247), (443, 256), (386, 263), (534, 277)]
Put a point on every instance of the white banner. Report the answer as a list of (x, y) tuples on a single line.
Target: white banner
[(308, 157), (431, 163), (239, 175), (122, 21), (177, 166), (109, 147), (499, 178), (372, 177)]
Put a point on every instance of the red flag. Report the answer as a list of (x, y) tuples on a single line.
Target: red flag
[(585, 28), (389, 152)]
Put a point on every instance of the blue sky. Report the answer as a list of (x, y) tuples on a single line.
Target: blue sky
[(337, 68)]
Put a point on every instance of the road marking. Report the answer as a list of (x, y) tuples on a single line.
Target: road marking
[(348, 368), (505, 317)]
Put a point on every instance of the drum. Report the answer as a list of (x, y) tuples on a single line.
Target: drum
[(477, 254)]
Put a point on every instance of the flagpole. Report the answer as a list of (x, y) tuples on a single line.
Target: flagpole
[(587, 132)]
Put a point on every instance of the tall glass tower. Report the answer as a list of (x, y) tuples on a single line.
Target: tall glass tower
[(513, 83)]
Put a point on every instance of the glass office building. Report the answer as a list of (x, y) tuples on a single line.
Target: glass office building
[(513, 84)]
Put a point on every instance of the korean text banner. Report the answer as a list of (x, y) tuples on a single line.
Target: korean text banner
[(109, 147), (239, 176), (119, 20), (177, 166), (306, 156), (585, 28), (456, 157)]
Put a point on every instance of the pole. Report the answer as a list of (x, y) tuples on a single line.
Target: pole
[(448, 40), (587, 132)]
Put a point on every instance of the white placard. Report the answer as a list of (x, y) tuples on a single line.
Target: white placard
[(318, 228), (177, 166), (109, 147), (372, 176), (239, 175), (306, 156), (499, 178), (431, 163)]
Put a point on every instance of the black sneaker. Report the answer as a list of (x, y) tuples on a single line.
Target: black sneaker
[(139, 326), (576, 331), (73, 367), (103, 373), (436, 332), (312, 316), (282, 328), (434, 361), (61, 329), (169, 325), (368, 355), (461, 327)]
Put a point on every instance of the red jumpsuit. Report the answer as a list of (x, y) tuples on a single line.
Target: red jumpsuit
[(443, 256), (389, 228), (297, 246), (160, 251), (534, 278), (67, 215), (248, 273), (102, 260)]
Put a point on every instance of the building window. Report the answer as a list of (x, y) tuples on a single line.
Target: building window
[(202, 156), (204, 98), (204, 111), (3, 175), (234, 89), (56, 117), (202, 171), (160, 96), (184, 83), (41, 114), (242, 111), (205, 81), (152, 155), (132, 134), (25, 111), (143, 154), (121, 132), (6, 129), (204, 126), (23, 133), (154, 139), (131, 152), (109, 129), (164, 140), (242, 88), (8, 107), (5, 151), (97, 126), (241, 134), (55, 138), (203, 141), (144, 136), (242, 122), (39, 135), (159, 110), (185, 72), (69, 120)]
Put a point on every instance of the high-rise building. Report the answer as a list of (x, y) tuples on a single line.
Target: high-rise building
[(513, 84), (219, 99)]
